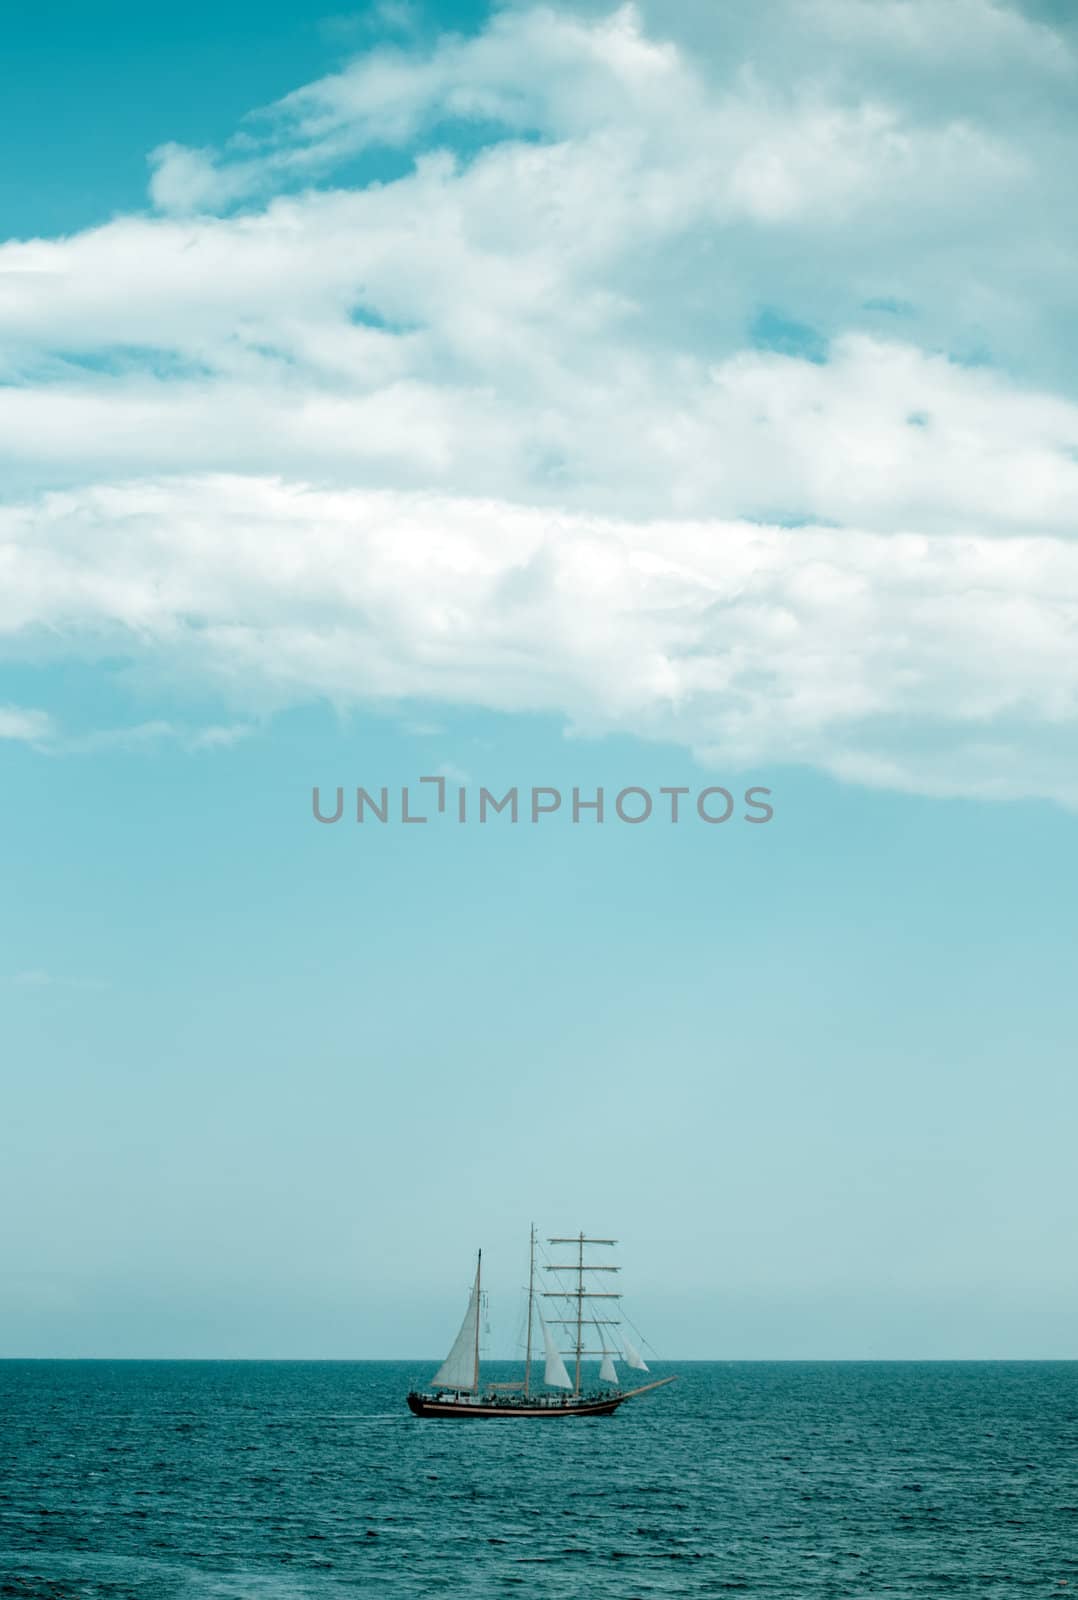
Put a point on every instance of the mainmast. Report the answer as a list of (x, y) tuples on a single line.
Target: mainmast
[(579, 1311), (579, 1267)]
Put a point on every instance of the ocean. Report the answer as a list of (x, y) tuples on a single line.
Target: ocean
[(288, 1480)]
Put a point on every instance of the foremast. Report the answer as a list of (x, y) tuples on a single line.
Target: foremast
[(460, 1369), (531, 1314), (478, 1298)]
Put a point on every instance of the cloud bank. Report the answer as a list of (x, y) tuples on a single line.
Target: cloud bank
[(937, 664), (704, 376)]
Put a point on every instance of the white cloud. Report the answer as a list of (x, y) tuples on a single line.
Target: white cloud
[(547, 71), (980, 32), (943, 664), (785, 263), (48, 736), (882, 435), (189, 180), (148, 735), (28, 726), (36, 978)]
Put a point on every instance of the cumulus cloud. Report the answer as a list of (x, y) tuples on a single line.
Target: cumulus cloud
[(700, 371), (881, 435), (932, 663), (701, 109)]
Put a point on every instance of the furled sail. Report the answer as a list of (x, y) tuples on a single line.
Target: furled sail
[(460, 1369), (555, 1376), (633, 1358), (607, 1370)]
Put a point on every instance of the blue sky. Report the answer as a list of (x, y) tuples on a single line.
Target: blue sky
[(576, 397), (131, 77)]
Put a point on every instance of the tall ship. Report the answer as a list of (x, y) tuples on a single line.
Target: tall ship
[(457, 1390)]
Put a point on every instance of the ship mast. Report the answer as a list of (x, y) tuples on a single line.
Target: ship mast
[(460, 1369), (580, 1294), (531, 1303), (478, 1314), (579, 1309)]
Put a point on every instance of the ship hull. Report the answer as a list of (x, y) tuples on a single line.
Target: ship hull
[(422, 1405)]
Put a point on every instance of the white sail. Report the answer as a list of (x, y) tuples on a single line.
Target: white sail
[(555, 1376), (460, 1369), (607, 1370), (633, 1358)]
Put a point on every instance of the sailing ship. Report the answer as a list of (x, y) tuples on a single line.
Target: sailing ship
[(456, 1389)]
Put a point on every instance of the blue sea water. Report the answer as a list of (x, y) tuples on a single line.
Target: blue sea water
[(288, 1480)]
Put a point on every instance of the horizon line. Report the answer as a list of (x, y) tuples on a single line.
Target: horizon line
[(687, 1361)]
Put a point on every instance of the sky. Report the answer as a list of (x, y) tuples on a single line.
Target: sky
[(574, 396)]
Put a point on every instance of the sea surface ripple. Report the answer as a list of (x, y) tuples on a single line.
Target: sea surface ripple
[(288, 1480)]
